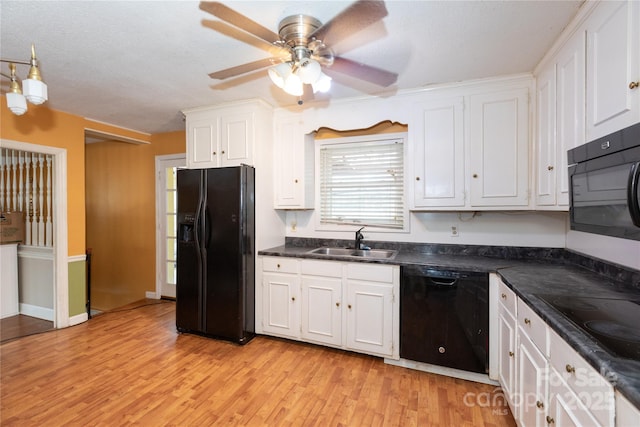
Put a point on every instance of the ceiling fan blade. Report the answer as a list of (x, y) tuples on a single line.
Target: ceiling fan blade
[(359, 15), (363, 72), (237, 19), (242, 69), (233, 32)]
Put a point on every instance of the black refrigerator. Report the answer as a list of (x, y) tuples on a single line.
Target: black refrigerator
[(215, 293)]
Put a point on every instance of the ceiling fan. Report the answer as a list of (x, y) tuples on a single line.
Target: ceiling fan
[(300, 52)]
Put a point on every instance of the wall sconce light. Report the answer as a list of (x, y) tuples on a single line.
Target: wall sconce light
[(33, 88)]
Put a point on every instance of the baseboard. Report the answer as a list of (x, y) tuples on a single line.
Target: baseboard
[(442, 370), (36, 311), (78, 318), (151, 295)]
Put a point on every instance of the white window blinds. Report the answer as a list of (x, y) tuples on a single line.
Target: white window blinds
[(362, 183)]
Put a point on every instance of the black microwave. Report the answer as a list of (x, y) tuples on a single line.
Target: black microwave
[(604, 185)]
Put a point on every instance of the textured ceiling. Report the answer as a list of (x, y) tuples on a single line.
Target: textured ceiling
[(136, 64)]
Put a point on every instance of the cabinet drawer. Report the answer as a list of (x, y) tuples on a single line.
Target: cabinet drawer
[(321, 268), (507, 298), (592, 389), (280, 265), (370, 272), (533, 326)]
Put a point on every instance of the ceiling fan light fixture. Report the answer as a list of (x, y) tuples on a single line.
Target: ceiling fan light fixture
[(322, 84), (309, 70), (280, 73), (293, 85)]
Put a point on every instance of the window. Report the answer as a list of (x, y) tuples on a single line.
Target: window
[(362, 181)]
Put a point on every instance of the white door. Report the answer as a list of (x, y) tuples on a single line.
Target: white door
[(166, 214)]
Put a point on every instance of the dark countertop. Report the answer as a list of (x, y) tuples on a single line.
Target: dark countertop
[(540, 272)]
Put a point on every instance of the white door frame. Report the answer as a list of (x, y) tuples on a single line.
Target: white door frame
[(161, 163), (60, 227)]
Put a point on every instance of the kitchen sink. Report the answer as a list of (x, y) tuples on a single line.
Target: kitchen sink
[(357, 253)]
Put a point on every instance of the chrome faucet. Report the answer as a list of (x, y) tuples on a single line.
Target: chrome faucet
[(359, 239)]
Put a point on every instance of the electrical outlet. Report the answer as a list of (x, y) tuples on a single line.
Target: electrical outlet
[(294, 225), (454, 231)]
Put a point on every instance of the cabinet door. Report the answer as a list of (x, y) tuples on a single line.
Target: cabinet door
[(565, 408), (202, 142), (236, 140), (281, 305), (499, 149), (546, 134), (370, 318), (613, 63), (322, 310), (507, 353), (570, 110), (294, 166), (438, 154), (532, 383)]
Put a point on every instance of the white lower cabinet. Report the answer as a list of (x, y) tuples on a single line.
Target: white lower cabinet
[(321, 310), (370, 310), (545, 381), (507, 342), (531, 398), (280, 298), (338, 304)]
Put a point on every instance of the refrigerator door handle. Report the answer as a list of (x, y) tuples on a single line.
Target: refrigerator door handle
[(207, 227)]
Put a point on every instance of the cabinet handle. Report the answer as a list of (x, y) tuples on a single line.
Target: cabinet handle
[(550, 420), (549, 168), (417, 178), (570, 369), (511, 354), (293, 298), (295, 180), (337, 304), (475, 175), (349, 306), (504, 296), (214, 153), (539, 404), (634, 85), (222, 152), (527, 321), (278, 266)]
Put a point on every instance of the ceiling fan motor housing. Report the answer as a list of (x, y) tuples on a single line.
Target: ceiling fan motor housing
[(295, 30)]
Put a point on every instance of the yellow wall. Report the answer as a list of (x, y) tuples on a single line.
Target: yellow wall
[(121, 217), (42, 126), (127, 178)]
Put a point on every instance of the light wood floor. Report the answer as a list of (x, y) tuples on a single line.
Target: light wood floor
[(130, 367)]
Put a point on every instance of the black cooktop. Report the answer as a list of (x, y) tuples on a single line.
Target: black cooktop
[(614, 323)]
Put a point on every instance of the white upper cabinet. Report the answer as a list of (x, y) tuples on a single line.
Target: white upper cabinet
[(499, 149), (469, 147), (224, 135), (438, 157), (560, 96), (293, 163), (613, 67)]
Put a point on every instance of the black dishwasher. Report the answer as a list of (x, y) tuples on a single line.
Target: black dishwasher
[(444, 318)]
